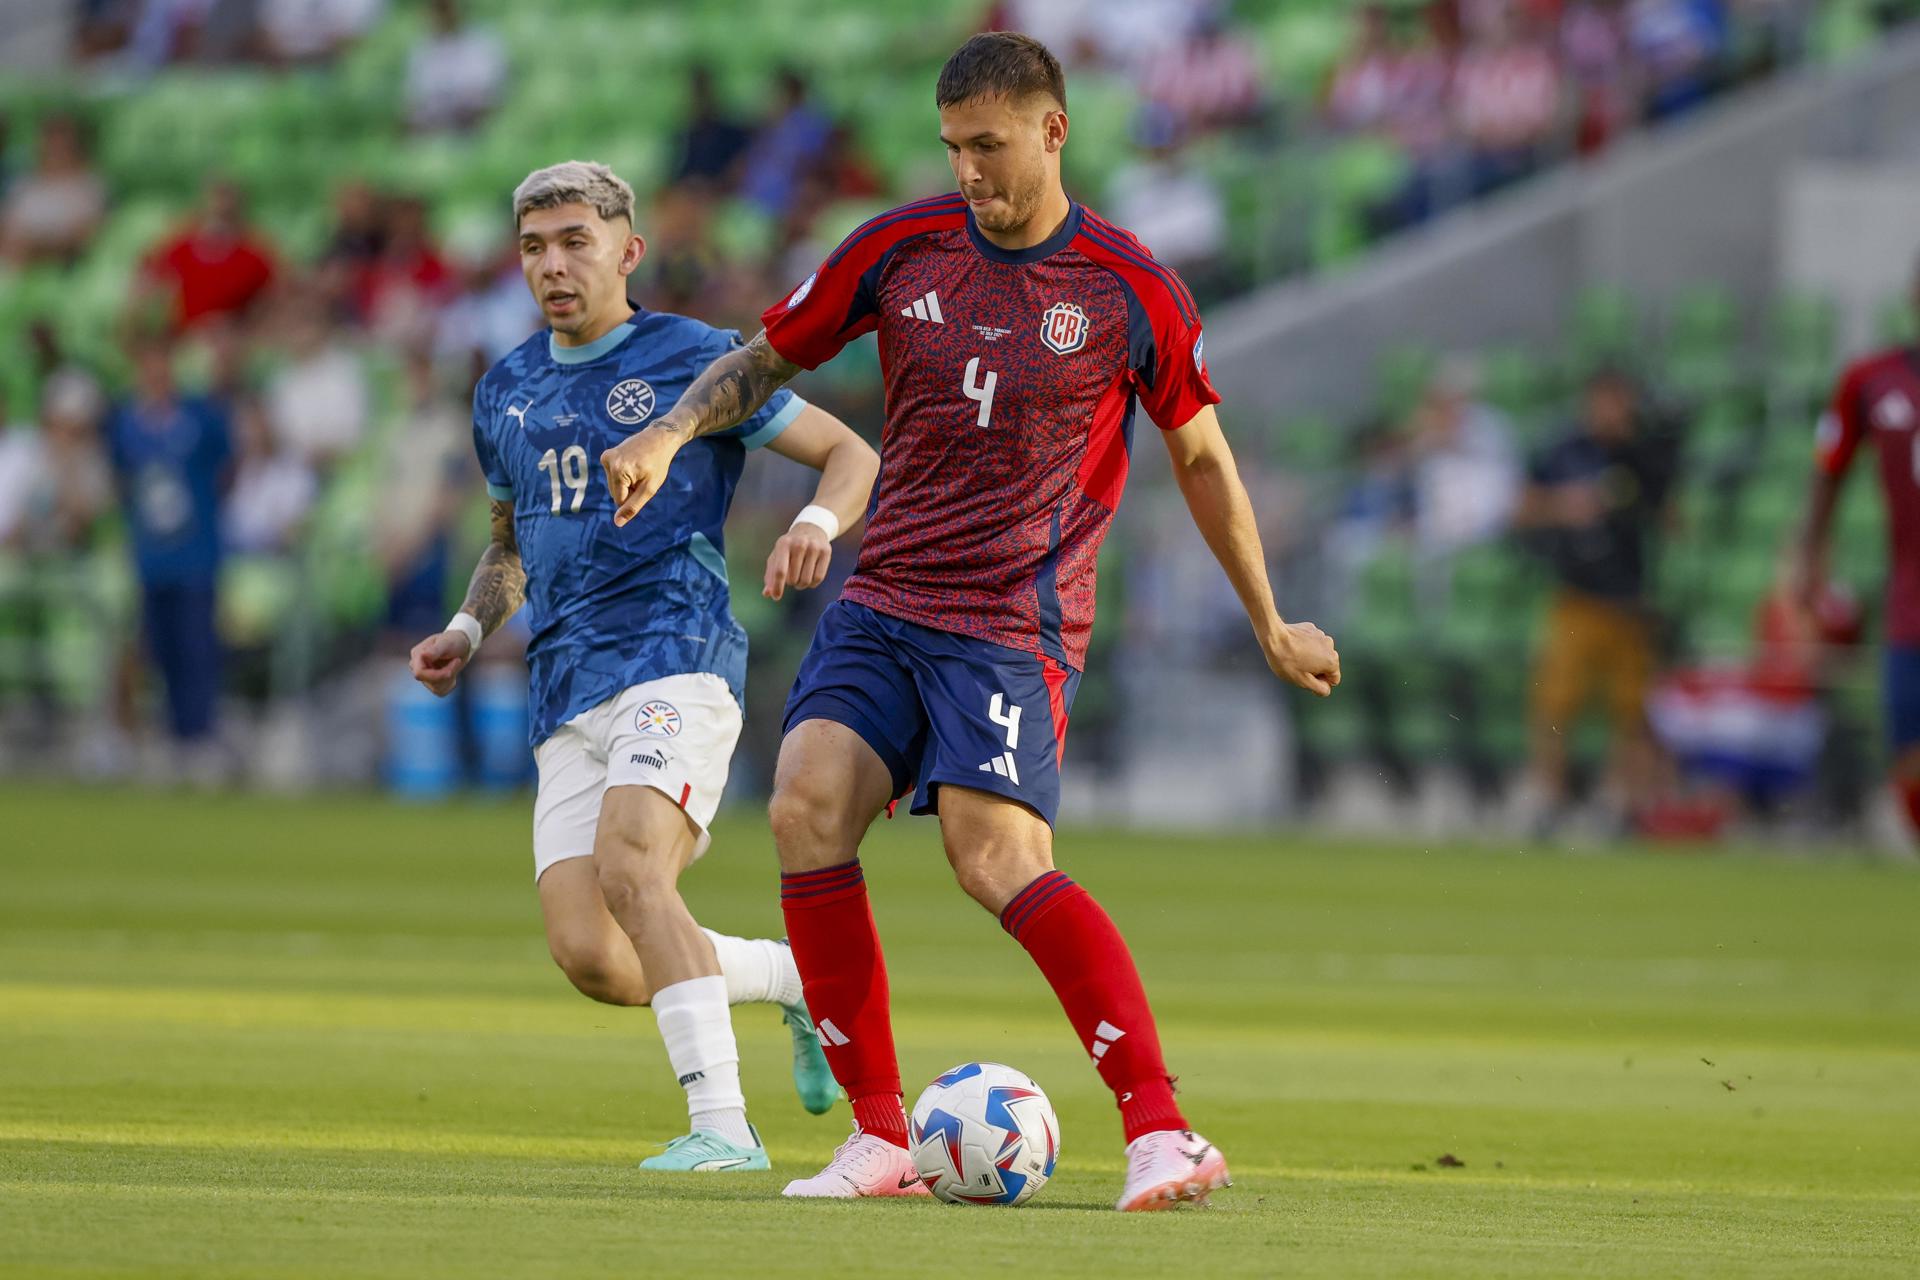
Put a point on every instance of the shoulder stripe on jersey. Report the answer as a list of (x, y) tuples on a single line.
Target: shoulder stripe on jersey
[(1181, 300), (928, 208), (1132, 242)]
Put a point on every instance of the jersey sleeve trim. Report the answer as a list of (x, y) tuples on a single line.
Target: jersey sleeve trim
[(932, 206), (770, 430), (1123, 245), (499, 492)]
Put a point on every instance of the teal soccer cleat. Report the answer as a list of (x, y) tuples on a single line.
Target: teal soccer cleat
[(812, 1078), (705, 1152)]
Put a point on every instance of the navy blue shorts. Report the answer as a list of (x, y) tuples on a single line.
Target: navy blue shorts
[(938, 707), (1903, 697)]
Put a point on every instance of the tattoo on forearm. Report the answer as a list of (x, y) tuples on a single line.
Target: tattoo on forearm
[(731, 388), (499, 582)]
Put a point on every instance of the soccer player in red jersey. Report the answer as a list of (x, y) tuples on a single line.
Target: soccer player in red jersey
[(1878, 398), (1017, 331)]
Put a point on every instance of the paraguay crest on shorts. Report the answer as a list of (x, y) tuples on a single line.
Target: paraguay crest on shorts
[(657, 719), (1063, 327), (630, 403)]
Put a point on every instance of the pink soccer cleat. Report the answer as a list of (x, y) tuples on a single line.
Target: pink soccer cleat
[(863, 1166), (1169, 1168)]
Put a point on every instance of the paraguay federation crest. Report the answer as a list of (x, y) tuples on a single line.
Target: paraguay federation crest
[(1063, 327), (630, 402), (657, 720)]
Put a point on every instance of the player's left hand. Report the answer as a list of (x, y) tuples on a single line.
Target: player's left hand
[(637, 467), (1304, 654), (799, 560)]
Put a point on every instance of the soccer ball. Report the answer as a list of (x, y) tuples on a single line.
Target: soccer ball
[(984, 1134)]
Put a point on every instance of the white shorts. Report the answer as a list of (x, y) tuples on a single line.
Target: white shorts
[(675, 734)]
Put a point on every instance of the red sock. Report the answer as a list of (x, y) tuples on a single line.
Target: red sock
[(837, 949), (1910, 800), (1087, 962)]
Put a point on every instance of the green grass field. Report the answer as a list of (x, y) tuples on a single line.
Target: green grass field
[(249, 1037)]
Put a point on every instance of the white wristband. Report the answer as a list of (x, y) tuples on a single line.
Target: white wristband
[(469, 626), (814, 513)]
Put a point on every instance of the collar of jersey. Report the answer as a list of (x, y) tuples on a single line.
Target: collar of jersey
[(593, 350), (1033, 253)]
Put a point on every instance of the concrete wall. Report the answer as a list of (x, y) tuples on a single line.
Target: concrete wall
[(1701, 200)]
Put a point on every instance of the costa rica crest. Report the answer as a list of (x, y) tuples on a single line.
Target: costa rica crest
[(1063, 327)]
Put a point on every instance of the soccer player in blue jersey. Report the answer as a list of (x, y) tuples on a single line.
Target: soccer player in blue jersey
[(637, 664)]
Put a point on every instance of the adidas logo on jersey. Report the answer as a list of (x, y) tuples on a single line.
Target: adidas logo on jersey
[(1004, 766), (926, 308)]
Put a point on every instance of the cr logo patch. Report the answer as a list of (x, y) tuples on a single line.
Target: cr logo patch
[(1063, 328)]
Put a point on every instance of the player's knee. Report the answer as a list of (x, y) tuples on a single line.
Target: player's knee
[(634, 883), (991, 875), (805, 827)]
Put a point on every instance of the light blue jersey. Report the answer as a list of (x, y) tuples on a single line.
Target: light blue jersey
[(612, 608)]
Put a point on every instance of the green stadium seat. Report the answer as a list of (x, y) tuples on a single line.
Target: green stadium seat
[(1603, 328)]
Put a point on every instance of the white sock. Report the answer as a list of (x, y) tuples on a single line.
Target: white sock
[(757, 970), (698, 1030)]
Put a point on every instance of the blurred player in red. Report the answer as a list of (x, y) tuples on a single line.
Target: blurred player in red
[(1017, 331), (1879, 399)]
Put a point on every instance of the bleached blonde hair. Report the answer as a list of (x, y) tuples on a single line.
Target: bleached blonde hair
[(585, 182)]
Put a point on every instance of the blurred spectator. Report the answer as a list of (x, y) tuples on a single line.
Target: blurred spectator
[(359, 226), (311, 32), (1168, 202), (1465, 477), (1593, 49), (681, 260), (1678, 44), (400, 292), (428, 473), (455, 74), (317, 402), (1362, 94), (171, 454), (1210, 80), (1506, 101), (52, 210), (1590, 505), (786, 146), (54, 484), (214, 267), (491, 312), (1117, 34), (711, 141), (1747, 736), (273, 487)]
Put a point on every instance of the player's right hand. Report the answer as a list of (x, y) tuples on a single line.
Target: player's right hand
[(637, 467), (1304, 654), (437, 661)]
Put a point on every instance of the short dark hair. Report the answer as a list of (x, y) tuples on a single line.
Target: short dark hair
[(997, 64)]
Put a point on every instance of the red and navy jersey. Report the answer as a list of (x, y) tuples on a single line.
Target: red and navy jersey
[(1011, 379), (1880, 397)]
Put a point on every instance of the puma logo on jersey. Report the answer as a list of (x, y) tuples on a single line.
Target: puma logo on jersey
[(520, 413), (925, 308)]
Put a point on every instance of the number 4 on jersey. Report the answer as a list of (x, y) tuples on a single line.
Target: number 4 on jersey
[(981, 390)]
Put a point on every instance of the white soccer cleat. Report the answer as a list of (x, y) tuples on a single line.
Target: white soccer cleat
[(863, 1166), (1170, 1168)]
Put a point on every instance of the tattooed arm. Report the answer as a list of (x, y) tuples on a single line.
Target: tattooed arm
[(731, 388), (498, 586)]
